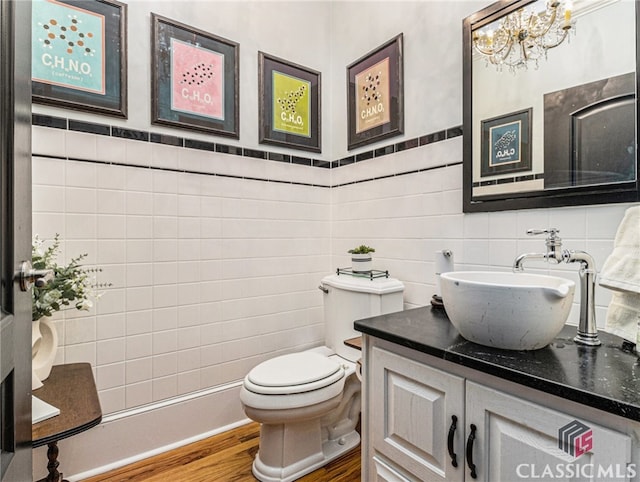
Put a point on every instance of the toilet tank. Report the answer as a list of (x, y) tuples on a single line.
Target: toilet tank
[(348, 298)]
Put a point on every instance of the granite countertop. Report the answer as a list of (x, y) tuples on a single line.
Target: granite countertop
[(605, 377)]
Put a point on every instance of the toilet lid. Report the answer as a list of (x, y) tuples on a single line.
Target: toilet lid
[(295, 373)]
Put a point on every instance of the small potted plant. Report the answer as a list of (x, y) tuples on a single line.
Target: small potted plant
[(361, 258)]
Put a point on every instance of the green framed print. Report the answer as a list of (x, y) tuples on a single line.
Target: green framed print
[(289, 105), (375, 95), (194, 79), (79, 55)]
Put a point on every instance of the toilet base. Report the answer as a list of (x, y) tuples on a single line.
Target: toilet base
[(331, 449)]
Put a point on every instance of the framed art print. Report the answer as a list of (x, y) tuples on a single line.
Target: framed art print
[(375, 95), (194, 79), (289, 104), (79, 55), (506, 144)]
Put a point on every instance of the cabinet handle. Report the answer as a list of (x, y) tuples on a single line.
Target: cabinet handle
[(452, 432), (470, 440)]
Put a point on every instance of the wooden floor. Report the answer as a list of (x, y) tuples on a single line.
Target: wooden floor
[(226, 457)]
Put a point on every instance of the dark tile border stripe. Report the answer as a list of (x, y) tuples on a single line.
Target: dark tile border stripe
[(114, 131)]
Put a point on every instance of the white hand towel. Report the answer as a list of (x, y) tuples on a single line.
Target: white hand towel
[(621, 270), (623, 316)]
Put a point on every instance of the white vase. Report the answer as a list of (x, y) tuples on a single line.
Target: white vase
[(361, 263), (44, 346)]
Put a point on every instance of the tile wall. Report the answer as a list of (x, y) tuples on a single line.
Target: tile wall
[(214, 259)]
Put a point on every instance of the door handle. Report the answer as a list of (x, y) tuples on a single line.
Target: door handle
[(27, 276), (452, 432), (470, 440)]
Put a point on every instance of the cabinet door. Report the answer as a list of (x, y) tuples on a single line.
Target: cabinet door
[(518, 440), (412, 406)]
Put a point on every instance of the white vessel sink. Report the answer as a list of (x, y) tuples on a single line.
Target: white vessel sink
[(513, 311)]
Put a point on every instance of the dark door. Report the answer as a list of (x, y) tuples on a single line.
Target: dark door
[(15, 235)]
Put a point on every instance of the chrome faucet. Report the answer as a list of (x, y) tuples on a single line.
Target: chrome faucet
[(587, 328)]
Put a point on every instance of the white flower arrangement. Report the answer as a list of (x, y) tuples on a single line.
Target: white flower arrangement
[(73, 286)]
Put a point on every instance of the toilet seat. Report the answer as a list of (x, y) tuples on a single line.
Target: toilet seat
[(294, 373)]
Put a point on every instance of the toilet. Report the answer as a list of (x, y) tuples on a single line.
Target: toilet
[(308, 403)]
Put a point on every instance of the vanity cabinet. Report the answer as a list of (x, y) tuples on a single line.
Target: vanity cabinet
[(428, 420)]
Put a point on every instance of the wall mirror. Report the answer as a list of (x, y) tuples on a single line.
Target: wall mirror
[(550, 126)]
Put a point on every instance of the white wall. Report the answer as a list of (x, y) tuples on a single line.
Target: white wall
[(213, 274)]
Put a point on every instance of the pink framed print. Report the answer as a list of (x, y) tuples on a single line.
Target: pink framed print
[(194, 79)]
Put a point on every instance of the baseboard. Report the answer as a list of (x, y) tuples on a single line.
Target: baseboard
[(133, 435)]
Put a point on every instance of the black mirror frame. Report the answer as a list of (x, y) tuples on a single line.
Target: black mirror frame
[(575, 196)]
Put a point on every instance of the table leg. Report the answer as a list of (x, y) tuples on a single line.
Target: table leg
[(52, 466)]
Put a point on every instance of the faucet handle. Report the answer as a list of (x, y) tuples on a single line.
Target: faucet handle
[(552, 232)]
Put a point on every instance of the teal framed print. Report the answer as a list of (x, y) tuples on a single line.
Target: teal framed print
[(79, 55), (289, 108), (506, 144)]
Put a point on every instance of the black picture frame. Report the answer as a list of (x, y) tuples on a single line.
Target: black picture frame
[(289, 104), (377, 112), (198, 88), (506, 144), (79, 60)]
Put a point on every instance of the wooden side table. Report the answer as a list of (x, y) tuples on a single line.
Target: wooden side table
[(72, 389)]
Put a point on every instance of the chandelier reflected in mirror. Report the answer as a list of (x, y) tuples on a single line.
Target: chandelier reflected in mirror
[(523, 37)]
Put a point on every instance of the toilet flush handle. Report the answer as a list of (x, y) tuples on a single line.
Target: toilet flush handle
[(323, 289)]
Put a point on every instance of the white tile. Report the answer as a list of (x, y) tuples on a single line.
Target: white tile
[(139, 274), (111, 251), (165, 250), (110, 201), (188, 382), (110, 326), (48, 171), (165, 182), (139, 250), (83, 352), (139, 322), (138, 370), (111, 226), (139, 203), (165, 318), (111, 176), (139, 346), (139, 298), (112, 400), (165, 204), (189, 227), (137, 152), (110, 351), (190, 315), (80, 174), (110, 376), (165, 273), (165, 364), (80, 330), (139, 394), (165, 227), (80, 226), (81, 145), (48, 141), (165, 342), (139, 179), (48, 199), (111, 149), (188, 360), (165, 156), (165, 296), (139, 227), (165, 387)]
